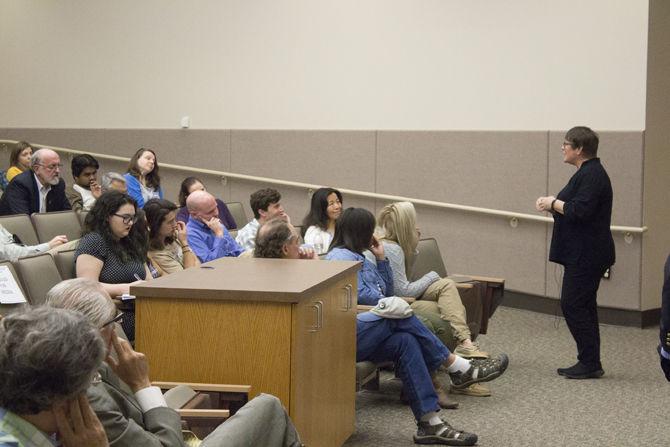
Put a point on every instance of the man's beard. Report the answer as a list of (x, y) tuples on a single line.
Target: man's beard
[(54, 181)]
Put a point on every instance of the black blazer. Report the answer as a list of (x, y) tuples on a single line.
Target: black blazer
[(582, 233), (23, 197)]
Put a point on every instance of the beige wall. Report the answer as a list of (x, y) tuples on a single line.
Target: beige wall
[(656, 213), (317, 64)]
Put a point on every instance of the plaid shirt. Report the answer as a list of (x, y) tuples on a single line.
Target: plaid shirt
[(16, 432), (246, 237)]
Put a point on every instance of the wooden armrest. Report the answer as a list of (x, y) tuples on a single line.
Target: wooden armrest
[(363, 308), (464, 285), (485, 278), (212, 387), (409, 299), (203, 413)]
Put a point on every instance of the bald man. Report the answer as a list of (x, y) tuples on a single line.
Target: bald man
[(38, 190), (207, 236)]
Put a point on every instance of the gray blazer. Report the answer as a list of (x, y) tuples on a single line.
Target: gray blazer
[(123, 420)]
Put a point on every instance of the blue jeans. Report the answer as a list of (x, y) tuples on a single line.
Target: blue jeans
[(415, 351)]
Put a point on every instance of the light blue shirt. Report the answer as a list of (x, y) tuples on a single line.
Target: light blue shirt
[(207, 246)]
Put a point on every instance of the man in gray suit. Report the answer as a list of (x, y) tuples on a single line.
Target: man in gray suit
[(133, 412)]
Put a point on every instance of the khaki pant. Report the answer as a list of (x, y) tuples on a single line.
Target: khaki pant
[(442, 298)]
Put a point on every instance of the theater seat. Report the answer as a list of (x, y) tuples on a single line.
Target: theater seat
[(21, 226), (65, 263), (49, 225), (39, 274), (480, 301), (237, 211)]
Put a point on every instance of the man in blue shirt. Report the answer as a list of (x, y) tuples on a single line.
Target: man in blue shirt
[(207, 236)]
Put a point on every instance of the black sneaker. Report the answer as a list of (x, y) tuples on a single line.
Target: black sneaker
[(480, 371), (572, 369), (443, 434), (582, 371)]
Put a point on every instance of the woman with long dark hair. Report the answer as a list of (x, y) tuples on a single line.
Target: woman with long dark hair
[(169, 251), (142, 178), (319, 223), (19, 159), (113, 250)]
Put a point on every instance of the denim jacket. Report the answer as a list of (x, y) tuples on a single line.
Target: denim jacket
[(374, 281)]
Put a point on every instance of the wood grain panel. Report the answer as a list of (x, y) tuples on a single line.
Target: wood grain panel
[(245, 342)]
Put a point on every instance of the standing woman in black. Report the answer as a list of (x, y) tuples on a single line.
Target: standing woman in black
[(582, 242)]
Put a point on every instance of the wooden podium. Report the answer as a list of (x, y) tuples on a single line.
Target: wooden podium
[(285, 327)]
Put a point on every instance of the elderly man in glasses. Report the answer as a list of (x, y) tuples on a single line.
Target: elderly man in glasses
[(38, 190), (133, 412)]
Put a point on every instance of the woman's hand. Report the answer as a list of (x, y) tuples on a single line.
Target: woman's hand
[(182, 234), (58, 240), (377, 249), (79, 426), (543, 204)]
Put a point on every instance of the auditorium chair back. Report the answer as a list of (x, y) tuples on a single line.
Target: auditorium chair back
[(21, 226), (237, 211), (39, 274), (49, 225)]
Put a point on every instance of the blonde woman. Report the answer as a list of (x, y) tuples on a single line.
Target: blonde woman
[(434, 294)]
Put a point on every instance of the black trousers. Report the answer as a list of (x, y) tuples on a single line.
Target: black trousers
[(578, 302)]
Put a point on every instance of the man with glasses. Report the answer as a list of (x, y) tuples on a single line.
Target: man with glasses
[(38, 190)]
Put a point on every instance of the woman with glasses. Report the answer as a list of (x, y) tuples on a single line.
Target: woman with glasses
[(582, 242), (169, 251), (113, 250), (142, 178), (319, 224)]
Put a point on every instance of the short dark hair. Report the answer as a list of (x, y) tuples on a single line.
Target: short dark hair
[(354, 230), (18, 148), (81, 162), (271, 237), (155, 211), (183, 189), (262, 199), (132, 247), (318, 210), (584, 137), (46, 355), (153, 180)]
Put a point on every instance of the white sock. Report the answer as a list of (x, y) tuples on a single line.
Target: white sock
[(459, 365), (432, 418)]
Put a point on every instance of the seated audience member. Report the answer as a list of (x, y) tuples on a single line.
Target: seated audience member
[(113, 181), (133, 412), (11, 248), (277, 238), (85, 190), (113, 250), (48, 358), (265, 206), (168, 243), (207, 236), (434, 294), (19, 159), (416, 352), (37, 190), (191, 184), (319, 224), (142, 178)]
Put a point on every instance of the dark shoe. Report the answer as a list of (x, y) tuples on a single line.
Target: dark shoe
[(443, 434), (570, 370), (480, 371), (586, 373)]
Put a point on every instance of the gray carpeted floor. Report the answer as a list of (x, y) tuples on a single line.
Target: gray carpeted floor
[(533, 406)]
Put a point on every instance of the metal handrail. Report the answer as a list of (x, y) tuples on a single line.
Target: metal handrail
[(513, 216)]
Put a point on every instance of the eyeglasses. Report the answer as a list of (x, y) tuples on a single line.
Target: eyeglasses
[(117, 319), (568, 144), (127, 218), (51, 167)]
